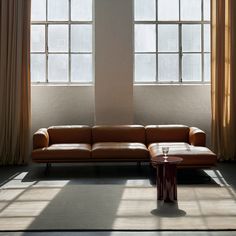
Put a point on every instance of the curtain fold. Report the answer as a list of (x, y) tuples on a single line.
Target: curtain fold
[(14, 81), (223, 78)]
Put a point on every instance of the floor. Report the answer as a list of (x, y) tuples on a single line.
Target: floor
[(114, 174), (167, 233)]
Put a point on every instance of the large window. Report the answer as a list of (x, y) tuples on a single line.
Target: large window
[(172, 41), (61, 41)]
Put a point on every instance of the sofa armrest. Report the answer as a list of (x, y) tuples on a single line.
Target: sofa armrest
[(197, 137), (40, 138)]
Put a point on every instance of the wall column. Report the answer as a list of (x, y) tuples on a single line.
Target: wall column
[(113, 61)]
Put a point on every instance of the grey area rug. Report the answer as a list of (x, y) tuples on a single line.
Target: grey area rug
[(132, 205)]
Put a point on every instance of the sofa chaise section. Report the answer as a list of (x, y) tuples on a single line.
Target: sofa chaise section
[(183, 141)]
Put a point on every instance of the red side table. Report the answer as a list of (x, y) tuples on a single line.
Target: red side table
[(166, 177)]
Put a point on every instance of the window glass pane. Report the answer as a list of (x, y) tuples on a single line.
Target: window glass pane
[(168, 10), (207, 43), (191, 67), (207, 67), (57, 68), (37, 38), (38, 10), (38, 67), (144, 10), (168, 38), (81, 38), (191, 38), (81, 10), (207, 9), (191, 10), (58, 10), (81, 68), (58, 38), (145, 38), (168, 67), (145, 68)]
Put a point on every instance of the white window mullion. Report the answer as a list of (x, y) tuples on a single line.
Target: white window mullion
[(46, 40), (157, 79), (202, 42), (69, 41), (180, 54)]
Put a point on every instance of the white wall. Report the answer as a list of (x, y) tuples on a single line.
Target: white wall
[(173, 104), (61, 105), (160, 104)]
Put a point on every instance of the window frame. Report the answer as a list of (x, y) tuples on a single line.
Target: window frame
[(69, 23), (179, 23)]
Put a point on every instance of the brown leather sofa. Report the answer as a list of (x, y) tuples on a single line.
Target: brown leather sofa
[(132, 143)]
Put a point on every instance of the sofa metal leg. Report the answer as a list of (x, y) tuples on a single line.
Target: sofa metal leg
[(152, 174), (48, 166)]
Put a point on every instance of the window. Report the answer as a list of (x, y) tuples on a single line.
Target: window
[(61, 41), (172, 41)]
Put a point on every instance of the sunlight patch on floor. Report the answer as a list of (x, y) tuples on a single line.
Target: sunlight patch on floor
[(205, 205), (217, 177), (21, 202)]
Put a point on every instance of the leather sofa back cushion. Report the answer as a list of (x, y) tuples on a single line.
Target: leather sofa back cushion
[(167, 133), (69, 134), (118, 133)]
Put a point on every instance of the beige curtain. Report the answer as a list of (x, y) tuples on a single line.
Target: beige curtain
[(14, 81), (223, 87)]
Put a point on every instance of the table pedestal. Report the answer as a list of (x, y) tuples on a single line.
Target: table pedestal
[(166, 182), (166, 177)]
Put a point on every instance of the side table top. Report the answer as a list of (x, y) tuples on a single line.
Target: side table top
[(170, 160)]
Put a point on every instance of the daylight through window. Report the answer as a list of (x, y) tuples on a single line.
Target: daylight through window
[(172, 41), (61, 41)]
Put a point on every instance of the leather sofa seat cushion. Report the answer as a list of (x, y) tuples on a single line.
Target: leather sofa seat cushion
[(63, 152), (70, 134), (118, 133), (121, 150), (192, 155), (167, 133)]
